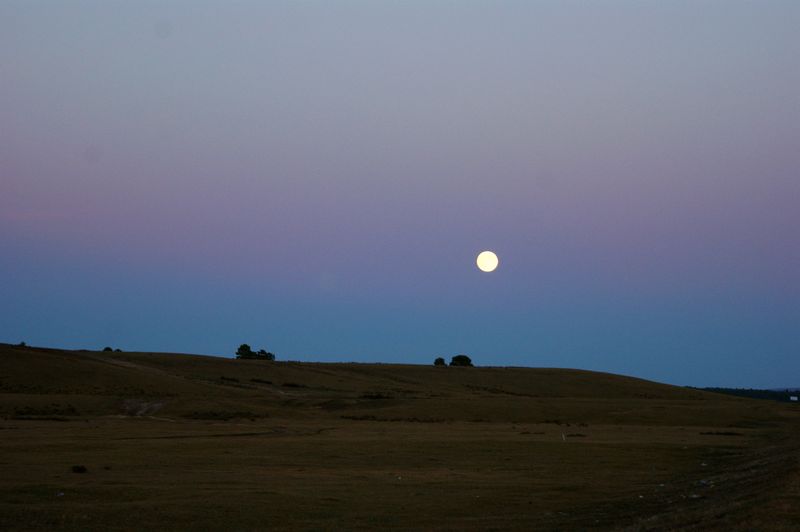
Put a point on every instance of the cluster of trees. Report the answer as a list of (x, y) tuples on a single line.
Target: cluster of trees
[(458, 360), (245, 351), (774, 395)]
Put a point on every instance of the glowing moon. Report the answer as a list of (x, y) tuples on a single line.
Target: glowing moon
[(487, 261)]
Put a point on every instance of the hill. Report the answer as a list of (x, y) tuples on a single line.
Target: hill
[(771, 395), (100, 383), (185, 440)]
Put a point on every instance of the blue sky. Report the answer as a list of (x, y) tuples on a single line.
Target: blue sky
[(317, 178)]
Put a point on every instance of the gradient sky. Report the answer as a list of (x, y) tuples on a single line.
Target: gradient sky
[(316, 178)]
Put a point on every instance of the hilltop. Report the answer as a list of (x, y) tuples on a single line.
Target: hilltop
[(181, 386), (182, 440)]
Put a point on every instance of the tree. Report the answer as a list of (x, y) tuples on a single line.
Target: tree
[(244, 351), (107, 350), (460, 360), (266, 355), (439, 362)]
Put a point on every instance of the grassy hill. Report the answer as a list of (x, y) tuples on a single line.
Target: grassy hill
[(185, 440), (183, 386)]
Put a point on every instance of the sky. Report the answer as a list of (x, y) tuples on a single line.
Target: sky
[(316, 179)]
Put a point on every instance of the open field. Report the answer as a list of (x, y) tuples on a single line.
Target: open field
[(180, 441)]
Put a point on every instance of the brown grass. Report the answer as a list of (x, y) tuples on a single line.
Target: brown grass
[(181, 441)]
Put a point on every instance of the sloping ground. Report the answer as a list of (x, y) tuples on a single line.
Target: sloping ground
[(85, 372), (92, 383), (182, 441), (756, 490)]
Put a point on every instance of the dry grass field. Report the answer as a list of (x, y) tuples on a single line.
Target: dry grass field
[(133, 441)]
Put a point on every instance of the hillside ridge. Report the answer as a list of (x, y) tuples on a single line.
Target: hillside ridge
[(201, 386)]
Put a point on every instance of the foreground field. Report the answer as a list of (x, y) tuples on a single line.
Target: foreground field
[(179, 441)]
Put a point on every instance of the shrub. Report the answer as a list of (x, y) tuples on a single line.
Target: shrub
[(22, 344), (244, 351), (460, 360), (107, 349), (439, 362), (266, 355)]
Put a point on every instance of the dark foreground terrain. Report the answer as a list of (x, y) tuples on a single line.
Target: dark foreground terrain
[(131, 441)]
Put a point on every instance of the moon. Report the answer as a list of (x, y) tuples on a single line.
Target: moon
[(487, 261)]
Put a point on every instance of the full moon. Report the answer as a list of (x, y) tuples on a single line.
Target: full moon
[(487, 261)]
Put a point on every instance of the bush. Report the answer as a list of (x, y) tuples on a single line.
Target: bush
[(22, 344), (266, 355), (245, 351), (460, 360), (439, 362), (107, 350)]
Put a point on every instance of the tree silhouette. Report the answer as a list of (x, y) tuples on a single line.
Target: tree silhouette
[(265, 355), (460, 360), (244, 351)]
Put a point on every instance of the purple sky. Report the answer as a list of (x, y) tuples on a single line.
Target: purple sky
[(316, 178)]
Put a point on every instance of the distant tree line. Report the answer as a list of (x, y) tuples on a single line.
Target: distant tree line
[(246, 352), (773, 395), (458, 360)]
